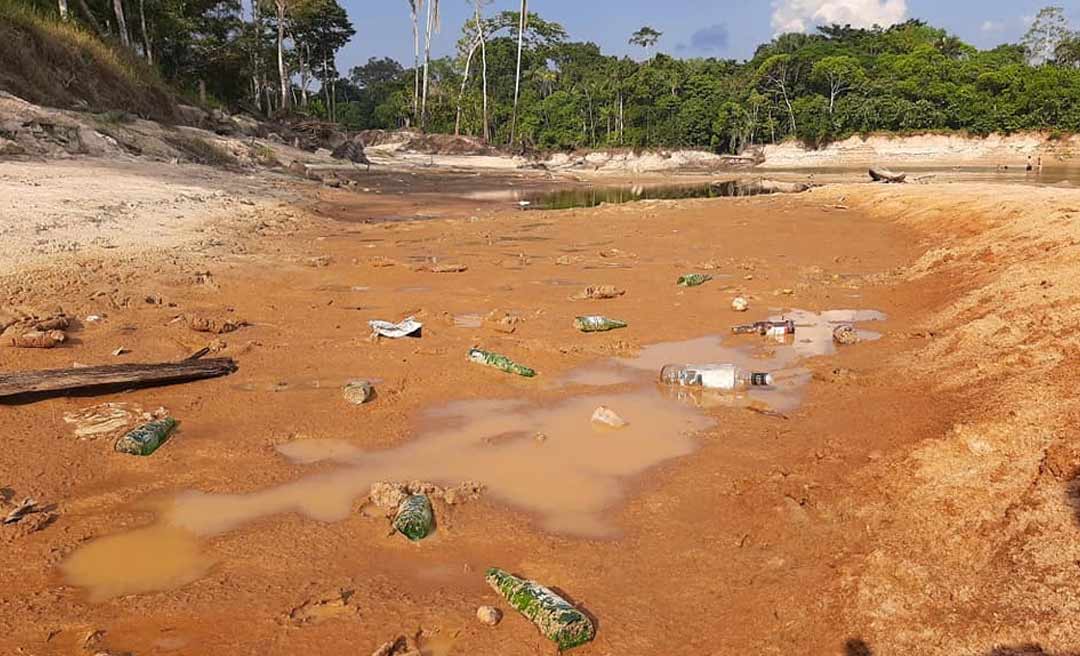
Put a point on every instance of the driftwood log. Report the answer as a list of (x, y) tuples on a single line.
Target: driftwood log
[(885, 175), (757, 187), (134, 375)]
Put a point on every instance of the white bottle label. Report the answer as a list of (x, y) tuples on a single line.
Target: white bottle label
[(718, 378)]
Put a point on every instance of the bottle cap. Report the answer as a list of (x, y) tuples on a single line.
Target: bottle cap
[(761, 379)]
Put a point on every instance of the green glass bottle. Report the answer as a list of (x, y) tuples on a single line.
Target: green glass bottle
[(597, 324), (500, 362), (556, 617), (144, 440), (414, 517), (693, 279)]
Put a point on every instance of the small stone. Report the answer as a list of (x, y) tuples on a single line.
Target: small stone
[(740, 304), (387, 495), (358, 392), (845, 334), (488, 615)]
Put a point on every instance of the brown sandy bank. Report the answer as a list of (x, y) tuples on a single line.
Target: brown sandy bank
[(919, 498)]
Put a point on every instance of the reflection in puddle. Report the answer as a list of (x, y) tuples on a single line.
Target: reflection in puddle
[(813, 331), (813, 337), (589, 196), (158, 557), (568, 478)]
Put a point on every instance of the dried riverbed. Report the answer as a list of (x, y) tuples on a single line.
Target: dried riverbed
[(711, 523)]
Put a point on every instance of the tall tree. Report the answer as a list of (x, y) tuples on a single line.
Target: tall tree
[(780, 73), (837, 74), (121, 23), (415, 7), (646, 37), (63, 10), (282, 8), (90, 18), (256, 55), (523, 22), (483, 58), (1049, 28), (431, 26), (147, 52)]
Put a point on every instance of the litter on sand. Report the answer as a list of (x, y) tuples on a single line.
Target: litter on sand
[(25, 508), (408, 327), (605, 416), (556, 617), (598, 292)]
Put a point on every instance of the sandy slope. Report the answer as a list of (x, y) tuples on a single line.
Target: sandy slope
[(972, 534), (928, 150), (91, 206)]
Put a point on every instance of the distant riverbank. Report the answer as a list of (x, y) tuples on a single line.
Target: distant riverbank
[(929, 150)]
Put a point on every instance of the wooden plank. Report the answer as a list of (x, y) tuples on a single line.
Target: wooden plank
[(82, 378)]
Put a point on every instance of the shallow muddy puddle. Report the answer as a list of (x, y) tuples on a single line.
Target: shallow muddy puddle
[(813, 337), (158, 557), (544, 458), (588, 196)]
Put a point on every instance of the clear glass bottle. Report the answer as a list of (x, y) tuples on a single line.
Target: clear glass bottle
[(713, 376)]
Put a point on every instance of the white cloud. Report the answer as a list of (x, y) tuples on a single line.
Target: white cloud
[(802, 15), (992, 26)]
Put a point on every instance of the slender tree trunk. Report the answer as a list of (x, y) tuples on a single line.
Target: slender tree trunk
[(305, 64), (326, 87), (415, 6), (121, 23), (90, 18), (464, 81), (256, 60), (483, 59), (283, 72), (63, 10), (202, 92), (145, 34), (791, 111), (522, 22), (432, 13)]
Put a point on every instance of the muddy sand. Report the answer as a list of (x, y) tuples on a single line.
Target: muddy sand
[(912, 493)]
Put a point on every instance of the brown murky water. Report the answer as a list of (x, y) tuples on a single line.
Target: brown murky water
[(545, 458), (158, 557)]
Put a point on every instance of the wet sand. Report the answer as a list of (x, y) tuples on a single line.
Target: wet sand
[(702, 526)]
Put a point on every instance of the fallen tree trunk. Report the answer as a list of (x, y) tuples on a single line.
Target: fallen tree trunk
[(87, 378), (885, 175)]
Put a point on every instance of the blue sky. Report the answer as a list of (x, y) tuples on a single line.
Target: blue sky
[(720, 28)]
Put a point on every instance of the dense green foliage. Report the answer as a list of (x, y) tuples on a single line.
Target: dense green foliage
[(820, 87), (816, 88)]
